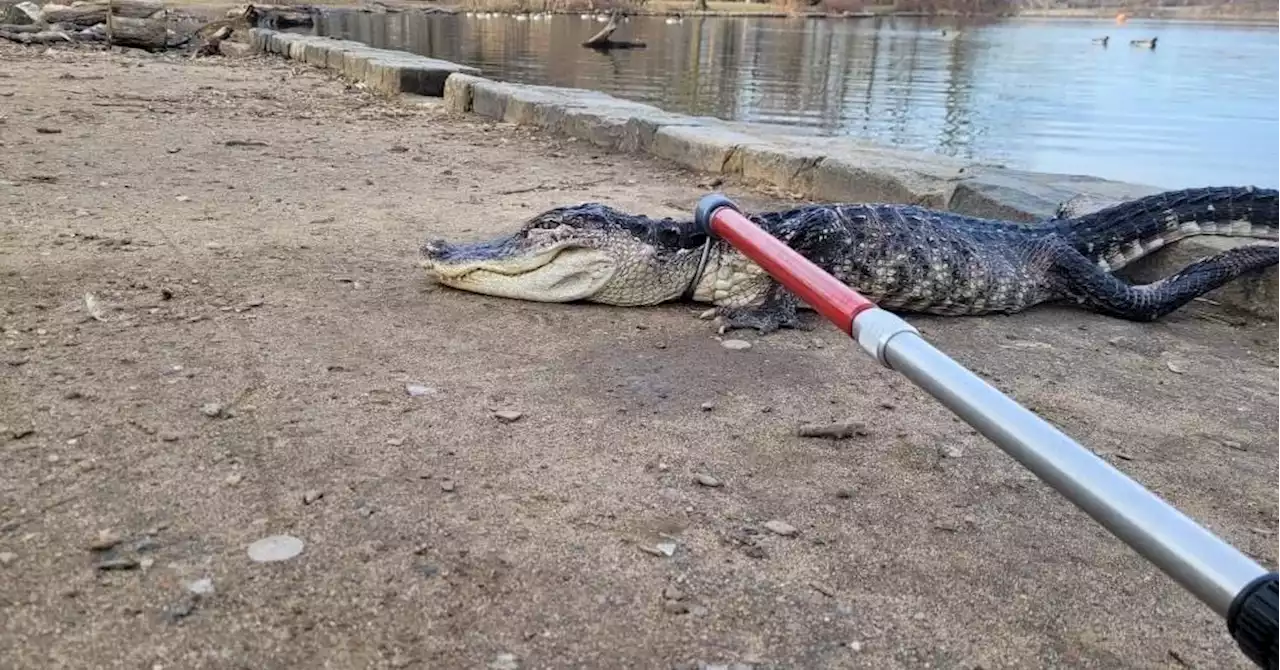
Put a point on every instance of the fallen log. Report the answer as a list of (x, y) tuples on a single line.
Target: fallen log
[(40, 37), (212, 45), (150, 34), (92, 13), (23, 13), (24, 28), (602, 41), (276, 16)]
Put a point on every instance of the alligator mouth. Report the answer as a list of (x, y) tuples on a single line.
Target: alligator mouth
[(561, 273)]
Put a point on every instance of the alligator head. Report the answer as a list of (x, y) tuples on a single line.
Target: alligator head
[(589, 252)]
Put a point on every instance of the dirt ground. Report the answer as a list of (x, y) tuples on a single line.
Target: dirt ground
[(248, 231)]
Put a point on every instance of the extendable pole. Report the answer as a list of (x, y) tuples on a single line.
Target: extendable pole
[(1222, 577)]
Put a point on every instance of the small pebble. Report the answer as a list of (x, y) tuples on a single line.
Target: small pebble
[(183, 198), (233, 479), (104, 541), (708, 481), (275, 548), (117, 564), (7, 557), (507, 415), (855, 646), (660, 549), (418, 390), (395, 441), (824, 589), (675, 607), (736, 345), (212, 410), (672, 593), (838, 430), (950, 451), (447, 486), (781, 528), (201, 587), (167, 436), (504, 662), (708, 406), (312, 496)]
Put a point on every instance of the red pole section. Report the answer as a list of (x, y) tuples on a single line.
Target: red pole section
[(821, 291)]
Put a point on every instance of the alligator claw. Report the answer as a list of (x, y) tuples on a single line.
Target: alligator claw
[(764, 320)]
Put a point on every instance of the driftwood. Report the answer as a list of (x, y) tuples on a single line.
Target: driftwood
[(601, 39), (140, 24), (25, 28), (41, 36), (87, 14), (150, 34), (22, 13), (276, 16), (212, 45)]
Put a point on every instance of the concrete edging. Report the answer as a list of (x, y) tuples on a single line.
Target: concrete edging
[(382, 70), (812, 167)]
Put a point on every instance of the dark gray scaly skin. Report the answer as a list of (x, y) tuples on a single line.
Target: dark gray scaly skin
[(905, 258)]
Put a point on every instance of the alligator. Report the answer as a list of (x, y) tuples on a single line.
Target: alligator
[(905, 258)]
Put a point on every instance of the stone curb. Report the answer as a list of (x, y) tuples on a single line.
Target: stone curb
[(818, 168), (384, 71)]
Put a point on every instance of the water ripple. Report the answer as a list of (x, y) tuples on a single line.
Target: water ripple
[(1203, 108)]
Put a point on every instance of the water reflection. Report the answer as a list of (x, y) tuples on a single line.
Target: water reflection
[(1200, 109)]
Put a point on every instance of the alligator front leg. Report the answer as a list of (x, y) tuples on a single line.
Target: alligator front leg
[(779, 309)]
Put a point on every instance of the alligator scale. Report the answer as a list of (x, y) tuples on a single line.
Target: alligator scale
[(905, 258)]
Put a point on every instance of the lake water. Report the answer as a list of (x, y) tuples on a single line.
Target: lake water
[(1200, 109)]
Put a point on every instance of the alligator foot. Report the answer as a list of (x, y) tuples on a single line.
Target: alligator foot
[(779, 310)]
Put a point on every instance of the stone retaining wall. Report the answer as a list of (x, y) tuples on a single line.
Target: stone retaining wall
[(817, 168), (385, 71)]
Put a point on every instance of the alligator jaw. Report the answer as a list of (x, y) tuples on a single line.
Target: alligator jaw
[(562, 273)]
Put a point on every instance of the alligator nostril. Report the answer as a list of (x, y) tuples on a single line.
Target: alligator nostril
[(435, 247)]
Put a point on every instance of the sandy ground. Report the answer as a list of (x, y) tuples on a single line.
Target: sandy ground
[(249, 230)]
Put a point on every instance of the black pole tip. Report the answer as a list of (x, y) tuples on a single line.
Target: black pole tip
[(707, 206), (1252, 620)]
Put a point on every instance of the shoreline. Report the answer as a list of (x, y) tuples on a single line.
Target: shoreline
[(766, 12), (773, 156)]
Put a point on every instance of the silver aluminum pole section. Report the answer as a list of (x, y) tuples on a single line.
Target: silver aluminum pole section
[(1214, 571), (1226, 580)]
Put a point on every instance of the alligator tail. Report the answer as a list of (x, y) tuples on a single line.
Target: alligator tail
[(1121, 234), (1104, 292)]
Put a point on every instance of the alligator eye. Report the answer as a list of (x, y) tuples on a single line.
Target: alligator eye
[(637, 228)]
